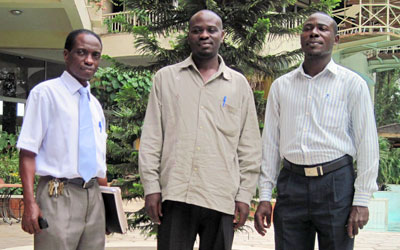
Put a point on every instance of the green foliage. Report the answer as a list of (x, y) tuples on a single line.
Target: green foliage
[(124, 95), (389, 164), (325, 5), (387, 98), (110, 82), (9, 161), (260, 103), (141, 221), (249, 25), (7, 140)]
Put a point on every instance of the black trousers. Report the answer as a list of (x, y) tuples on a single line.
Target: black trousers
[(309, 206), (181, 222)]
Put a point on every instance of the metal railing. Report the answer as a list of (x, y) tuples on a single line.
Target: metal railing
[(392, 50), (293, 23), (369, 17), (116, 22)]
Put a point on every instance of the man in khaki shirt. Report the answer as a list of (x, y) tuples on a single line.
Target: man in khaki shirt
[(200, 148)]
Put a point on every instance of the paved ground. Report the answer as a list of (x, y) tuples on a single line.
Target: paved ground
[(12, 237)]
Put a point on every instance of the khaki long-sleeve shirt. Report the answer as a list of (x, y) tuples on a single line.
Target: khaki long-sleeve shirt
[(200, 142)]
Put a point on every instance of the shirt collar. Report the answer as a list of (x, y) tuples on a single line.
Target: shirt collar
[(331, 67), (72, 84), (223, 69)]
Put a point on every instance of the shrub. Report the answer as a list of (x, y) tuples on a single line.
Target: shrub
[(9, 162), (389, 164)]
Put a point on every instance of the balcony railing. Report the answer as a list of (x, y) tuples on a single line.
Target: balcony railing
[(392, 51), (116, 22), (293, 23), (367, 16)]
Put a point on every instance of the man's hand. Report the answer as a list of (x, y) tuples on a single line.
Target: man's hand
[(27, 166), (30, 218), (241, 214), (153, 207), (358, 219), (262, 215)]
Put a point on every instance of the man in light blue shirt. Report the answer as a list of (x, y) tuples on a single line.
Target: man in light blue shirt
[(54, 142), (319, 118)]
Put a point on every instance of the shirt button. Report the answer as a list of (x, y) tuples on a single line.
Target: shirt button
[(202, 107), (305, 130), (201, 127), (198, 148), (307, 113), (195, 169)]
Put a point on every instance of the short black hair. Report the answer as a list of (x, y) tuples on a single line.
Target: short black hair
[(70, 41), (335, 27)]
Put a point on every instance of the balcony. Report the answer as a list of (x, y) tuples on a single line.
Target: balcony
[(368, 24), (384, 59), (128, 18), (132, 19), (118, 43)]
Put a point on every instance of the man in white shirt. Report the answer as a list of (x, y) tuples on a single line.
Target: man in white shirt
[(318, 118), (68, 156)]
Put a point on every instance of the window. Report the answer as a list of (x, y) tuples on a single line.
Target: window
[(18, 75)]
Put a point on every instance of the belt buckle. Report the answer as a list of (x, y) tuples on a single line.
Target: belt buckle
[(313, 172)]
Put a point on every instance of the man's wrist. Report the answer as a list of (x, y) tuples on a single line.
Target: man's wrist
[(361, 199), (29, 200), (244, 197), (265, 195)]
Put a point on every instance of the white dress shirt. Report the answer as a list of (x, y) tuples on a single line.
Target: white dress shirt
[(312, 120), (51, 127)]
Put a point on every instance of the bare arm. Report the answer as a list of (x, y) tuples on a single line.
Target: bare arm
[(32, 212), (102, 181)]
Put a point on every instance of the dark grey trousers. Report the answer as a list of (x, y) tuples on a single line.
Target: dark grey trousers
[(310, 206), (182, 222)]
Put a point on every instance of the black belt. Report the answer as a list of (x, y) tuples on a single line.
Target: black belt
[(76, 181), (319, 169)]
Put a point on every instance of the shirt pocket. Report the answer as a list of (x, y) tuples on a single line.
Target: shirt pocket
[(333, 112), (228, 122)]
